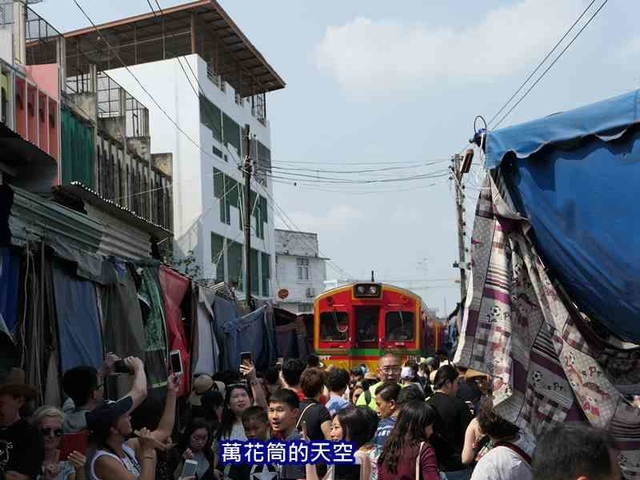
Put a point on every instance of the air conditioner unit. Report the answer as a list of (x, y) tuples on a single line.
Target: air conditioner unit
[(311, 292)]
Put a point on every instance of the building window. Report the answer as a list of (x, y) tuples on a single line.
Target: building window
[(303, 269)]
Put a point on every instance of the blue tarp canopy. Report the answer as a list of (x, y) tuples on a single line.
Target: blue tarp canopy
[(575, 176)]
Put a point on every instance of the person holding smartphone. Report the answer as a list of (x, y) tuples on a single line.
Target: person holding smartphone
[(195, 445), (120, 457), (248, 371)]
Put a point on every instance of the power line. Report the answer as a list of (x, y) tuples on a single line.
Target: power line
[(292, 226), (553, 63), (370, 192), (374, 170), (293, 162), (541, 63), (312, 179)]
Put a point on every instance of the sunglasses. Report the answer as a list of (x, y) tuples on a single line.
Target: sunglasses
[(57, 432)]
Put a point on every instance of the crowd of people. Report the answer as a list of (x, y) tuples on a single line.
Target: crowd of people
[(424, 420)]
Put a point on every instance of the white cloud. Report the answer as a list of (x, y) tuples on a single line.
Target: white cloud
[(336, 218), (367, 56)]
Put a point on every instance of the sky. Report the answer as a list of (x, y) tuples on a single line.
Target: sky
[(375, 84)]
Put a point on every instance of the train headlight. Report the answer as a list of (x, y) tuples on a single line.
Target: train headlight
[(368, 290)]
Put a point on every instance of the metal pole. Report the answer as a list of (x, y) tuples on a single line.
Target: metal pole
[(457, 162), (246, 171)]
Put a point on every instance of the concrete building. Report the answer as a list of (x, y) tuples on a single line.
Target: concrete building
[(203, 81), (81, 138), (300, 270)]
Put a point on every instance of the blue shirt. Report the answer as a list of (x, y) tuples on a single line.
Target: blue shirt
[(335, 404), (384, 430)]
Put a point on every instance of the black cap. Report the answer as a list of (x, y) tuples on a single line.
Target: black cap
[(106, 416)]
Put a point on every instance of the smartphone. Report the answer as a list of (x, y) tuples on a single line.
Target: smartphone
[(246, 357), (175, 360), (120, 367), (73, 442), (189, 469)]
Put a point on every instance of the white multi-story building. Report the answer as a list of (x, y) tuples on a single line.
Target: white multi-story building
[(203, 81), (300, 270)]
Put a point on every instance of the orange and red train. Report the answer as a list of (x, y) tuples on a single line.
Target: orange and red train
[(356, 323)]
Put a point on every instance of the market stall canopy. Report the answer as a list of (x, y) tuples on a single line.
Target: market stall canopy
[(606, 120), (575, 176)]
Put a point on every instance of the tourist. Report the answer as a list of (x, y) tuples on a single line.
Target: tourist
[(338, 382), (196, 444), (388, 371), (283, 411), (315, 415)]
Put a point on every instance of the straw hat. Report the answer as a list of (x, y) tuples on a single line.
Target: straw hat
[(15, 385), (370, 376), (201, 384), (473, 374)]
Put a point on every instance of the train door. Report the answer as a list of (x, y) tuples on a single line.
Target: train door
[(367, 321)]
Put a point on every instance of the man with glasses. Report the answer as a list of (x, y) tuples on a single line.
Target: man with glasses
[(388, 371), (85, 386)]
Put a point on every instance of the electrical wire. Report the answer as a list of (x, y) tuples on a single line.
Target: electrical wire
[(370, 192), (295, 229), (552, 63), (374, 170), (300, 178), (535, 70)]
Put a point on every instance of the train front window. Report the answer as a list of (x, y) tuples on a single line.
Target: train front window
[(334, 326), (399, 326), (367, 324)]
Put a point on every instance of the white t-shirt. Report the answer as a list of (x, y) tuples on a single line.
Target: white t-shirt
[(502, 463)]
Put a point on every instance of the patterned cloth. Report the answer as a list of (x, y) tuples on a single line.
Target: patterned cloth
[(548, 365)]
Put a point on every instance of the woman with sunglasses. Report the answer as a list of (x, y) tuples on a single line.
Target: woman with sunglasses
[(49, 421)]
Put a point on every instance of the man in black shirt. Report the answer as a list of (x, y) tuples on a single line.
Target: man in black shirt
[(452, 418), (21, 445), (315, 415)]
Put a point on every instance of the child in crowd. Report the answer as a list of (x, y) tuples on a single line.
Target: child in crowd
[(256, 426), (283, 410), (338, 381)]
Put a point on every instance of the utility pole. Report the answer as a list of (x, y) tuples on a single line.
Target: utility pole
[(458, 171), (247, 169)]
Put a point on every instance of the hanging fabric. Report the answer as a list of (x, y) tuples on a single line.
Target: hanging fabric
[(123, 330), (546, 365), (9, 289), (253, 336), (226, 317), (77, 315), (174, 289), (155, 358), (206, 347)]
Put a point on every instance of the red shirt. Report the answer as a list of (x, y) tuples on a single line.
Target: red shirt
[(407, 464)]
